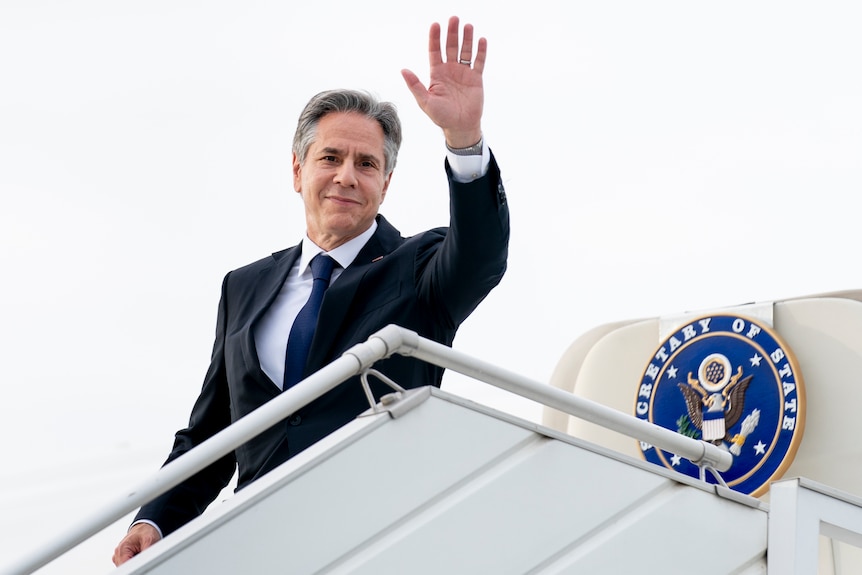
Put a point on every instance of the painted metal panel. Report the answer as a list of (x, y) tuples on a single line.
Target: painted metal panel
[(514, 516), (681, 530), (450, 488), (332, 503)]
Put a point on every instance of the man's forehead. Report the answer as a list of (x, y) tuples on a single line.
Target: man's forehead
[(349, 133), (349, 121)]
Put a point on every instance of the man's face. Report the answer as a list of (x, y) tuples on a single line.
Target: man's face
[(343, 179)]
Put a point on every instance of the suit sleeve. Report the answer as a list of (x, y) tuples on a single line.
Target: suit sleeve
[(471, 259), (211, 414)]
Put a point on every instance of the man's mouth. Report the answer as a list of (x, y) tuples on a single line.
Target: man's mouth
[(342, 200)]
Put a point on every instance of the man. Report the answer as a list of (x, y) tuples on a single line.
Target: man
[(344, 152)]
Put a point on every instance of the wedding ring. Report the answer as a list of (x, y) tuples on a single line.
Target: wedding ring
[(462, 61)]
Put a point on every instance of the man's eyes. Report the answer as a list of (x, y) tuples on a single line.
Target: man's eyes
[(367, 164)]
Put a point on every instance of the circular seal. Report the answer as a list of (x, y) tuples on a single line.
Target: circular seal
[(733, 382)]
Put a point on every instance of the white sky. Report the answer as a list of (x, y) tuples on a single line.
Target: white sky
[(659, 157)]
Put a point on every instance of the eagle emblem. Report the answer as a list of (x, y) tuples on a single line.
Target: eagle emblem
[(731, 381), (715, 400)]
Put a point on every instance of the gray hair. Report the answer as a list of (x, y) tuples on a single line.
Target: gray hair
[(384, 113)]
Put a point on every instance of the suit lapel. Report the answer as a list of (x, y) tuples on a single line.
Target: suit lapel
[(268, 283), (271, 279)]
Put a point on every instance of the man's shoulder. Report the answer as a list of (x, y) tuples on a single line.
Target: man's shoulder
[(264, 264), (392, 242)]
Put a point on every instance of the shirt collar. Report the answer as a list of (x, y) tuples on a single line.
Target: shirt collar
[(343, 254)]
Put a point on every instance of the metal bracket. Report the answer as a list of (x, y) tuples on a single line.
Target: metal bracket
[(363, 377), (400, 402), (396, 403), (704, 468)]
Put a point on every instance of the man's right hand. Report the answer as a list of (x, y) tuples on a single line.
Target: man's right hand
[(139, 537)]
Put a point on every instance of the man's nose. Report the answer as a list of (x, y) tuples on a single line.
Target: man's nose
[(346, 175)]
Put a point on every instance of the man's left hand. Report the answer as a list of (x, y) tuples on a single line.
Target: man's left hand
[(455, 96)]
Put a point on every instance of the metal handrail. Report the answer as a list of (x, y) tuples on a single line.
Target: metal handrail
[(384, 343), (700, 453)]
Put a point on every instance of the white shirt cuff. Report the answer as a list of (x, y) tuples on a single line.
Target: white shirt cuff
[(148, 522), (468, 168)]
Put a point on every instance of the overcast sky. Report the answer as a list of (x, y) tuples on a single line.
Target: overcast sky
[(659, 157)]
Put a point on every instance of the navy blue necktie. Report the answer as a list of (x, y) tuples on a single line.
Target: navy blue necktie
[(302, 331)]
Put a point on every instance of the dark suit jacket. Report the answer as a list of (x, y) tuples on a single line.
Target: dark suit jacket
[(428, 283)]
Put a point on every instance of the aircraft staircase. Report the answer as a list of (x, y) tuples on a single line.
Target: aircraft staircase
[(428, 482)]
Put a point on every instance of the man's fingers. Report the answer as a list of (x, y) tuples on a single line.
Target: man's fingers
[(123, 553), (434, 55), (466, 54), (416, 87), (452, 40), (481, 51), (139, 537)]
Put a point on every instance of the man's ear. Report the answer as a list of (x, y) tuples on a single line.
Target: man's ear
[(297, 174), (386, 183)]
